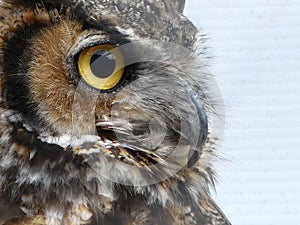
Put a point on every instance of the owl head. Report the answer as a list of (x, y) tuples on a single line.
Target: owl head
[(106, 93)]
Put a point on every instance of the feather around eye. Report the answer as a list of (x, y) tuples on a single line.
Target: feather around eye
[(101, 66)]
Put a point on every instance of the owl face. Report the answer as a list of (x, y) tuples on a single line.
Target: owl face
[(98, 95), (75, 80)]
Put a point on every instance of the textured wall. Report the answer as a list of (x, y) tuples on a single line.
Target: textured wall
[(256, 45)]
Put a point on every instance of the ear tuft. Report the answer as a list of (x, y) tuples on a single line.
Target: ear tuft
[(180, 4)]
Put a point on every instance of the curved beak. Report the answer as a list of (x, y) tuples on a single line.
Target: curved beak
[(200, 127)]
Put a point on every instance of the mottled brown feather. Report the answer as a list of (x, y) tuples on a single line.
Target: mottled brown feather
[(44, 183)]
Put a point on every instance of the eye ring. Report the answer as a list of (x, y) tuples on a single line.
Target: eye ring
[(101, 66)]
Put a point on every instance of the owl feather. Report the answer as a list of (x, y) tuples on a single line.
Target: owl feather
[(138, 152)]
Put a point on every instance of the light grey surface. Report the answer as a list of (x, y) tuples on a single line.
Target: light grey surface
[(256, 49)]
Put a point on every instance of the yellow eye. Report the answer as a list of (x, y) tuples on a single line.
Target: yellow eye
[(101, 66)]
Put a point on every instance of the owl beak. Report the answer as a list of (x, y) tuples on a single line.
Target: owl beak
[(199, 127)]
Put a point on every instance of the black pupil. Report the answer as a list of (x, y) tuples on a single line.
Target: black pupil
[(103, 64)]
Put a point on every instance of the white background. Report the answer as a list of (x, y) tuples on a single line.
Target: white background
[(256, 49)]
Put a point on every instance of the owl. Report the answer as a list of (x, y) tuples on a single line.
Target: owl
[(106, 115)]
